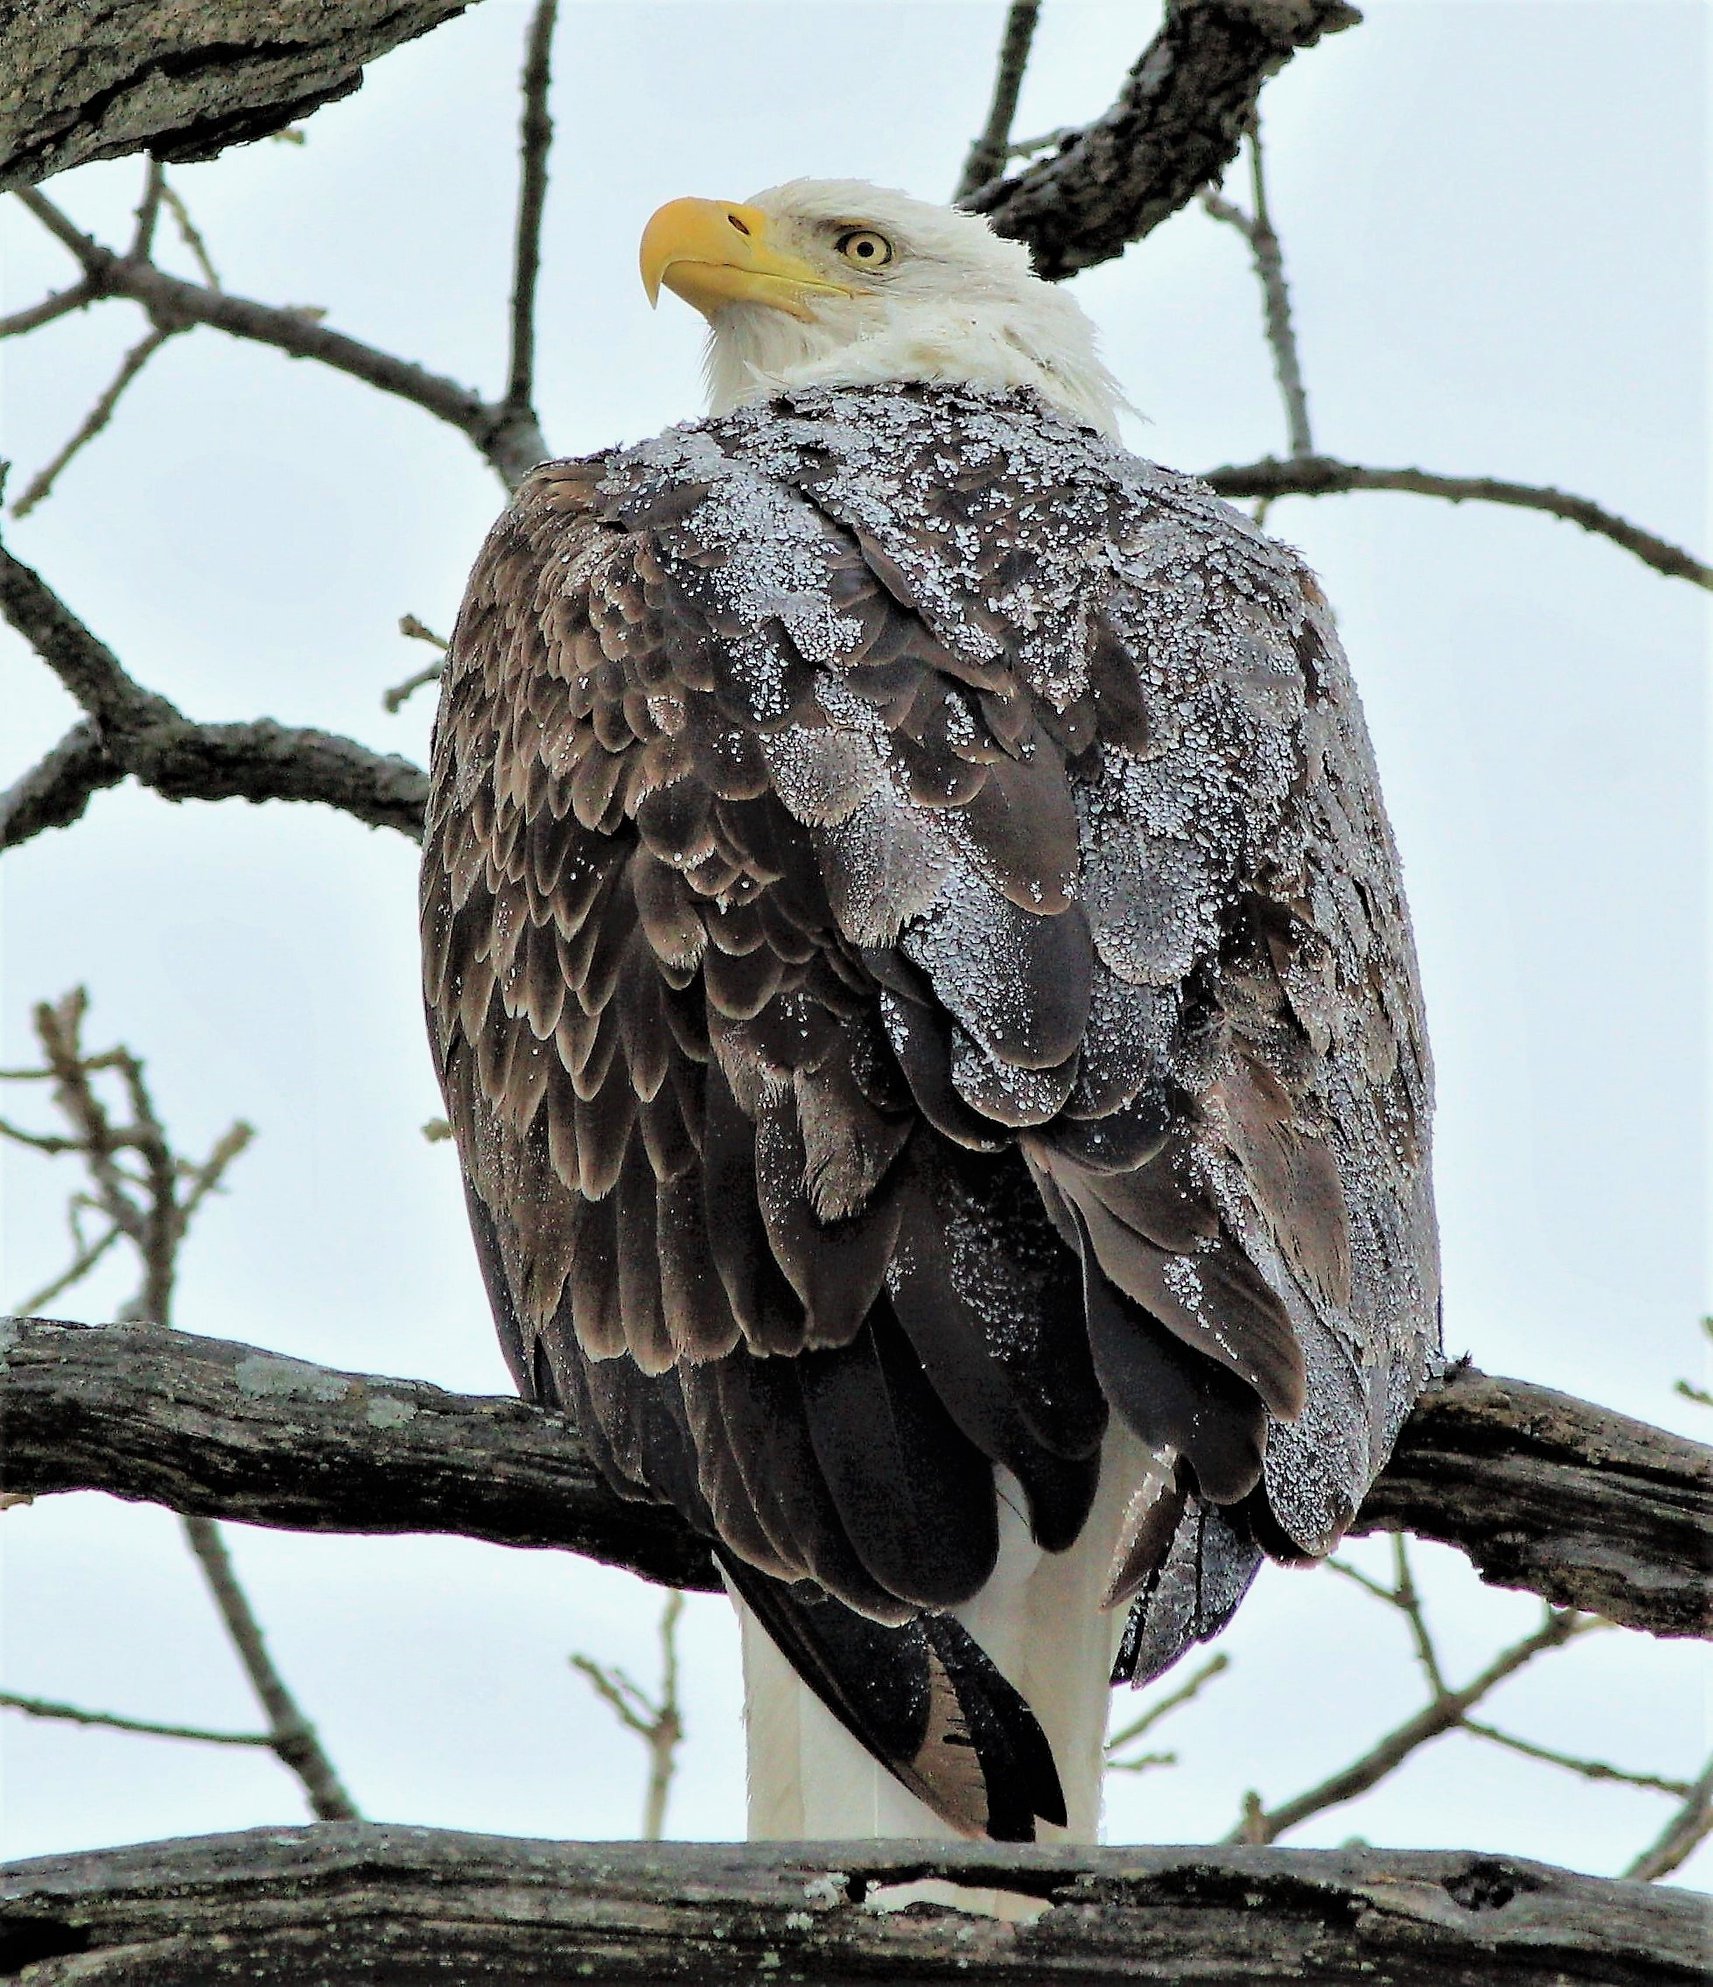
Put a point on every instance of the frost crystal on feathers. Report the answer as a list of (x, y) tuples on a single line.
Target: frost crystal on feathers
[(919, 974)]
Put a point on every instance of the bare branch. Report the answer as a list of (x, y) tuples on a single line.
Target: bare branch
[(1257, 229), (148, 211), (1682, 1835), (534, 139), (57, 789), (75, 1714), (400, 694), (75, 1271), (190, 234), (95, 420), (1539, 1490), (347, 1901), (290, 1733), (60, 304), (1324, 476), (1444, 1714), (136, 731), (509, 437), (1587, 1769), (1163, 1707), (1176, 125), (990, 152)]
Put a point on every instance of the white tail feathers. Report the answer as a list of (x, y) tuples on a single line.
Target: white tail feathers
[(1039, 1619)]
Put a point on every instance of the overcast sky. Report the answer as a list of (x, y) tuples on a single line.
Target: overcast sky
[(1496, 223)]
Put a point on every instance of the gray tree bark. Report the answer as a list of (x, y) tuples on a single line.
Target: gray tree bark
[(411, 1906), (1585, 1507), (179, 79)]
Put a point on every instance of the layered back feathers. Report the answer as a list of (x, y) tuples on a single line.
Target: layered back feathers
[(919, 975)]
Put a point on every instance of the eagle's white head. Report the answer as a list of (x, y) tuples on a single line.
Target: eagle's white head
[(832, 282)]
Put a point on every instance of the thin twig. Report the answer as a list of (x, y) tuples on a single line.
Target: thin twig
[(988, 155), (400, 694), (1588, 1769), (75, 1714), (657, 1721), (1325, 476), (190, 234), (97, 418), (148, 210), (509, 438), (81, 1264), (535, 137), (1164, 1706), (1257, 230), (58, 304), (147, 1208), (1686, 1830), (290, 1733), (1444, 1714)]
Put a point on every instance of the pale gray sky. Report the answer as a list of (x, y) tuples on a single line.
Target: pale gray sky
[(1496, 219)]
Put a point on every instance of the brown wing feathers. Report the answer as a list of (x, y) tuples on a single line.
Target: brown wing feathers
[(835, 947)]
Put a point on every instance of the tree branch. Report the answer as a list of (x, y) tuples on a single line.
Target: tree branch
[(57, 789), (507, 437), (1176, 125), (1442, 1715), (181, 81), (987, 156), (411, 1906), (1682, 1835), (136, 731), (290, 1734), (1588, 1509), (1324, 476), (534, 138), (1582, 1506)]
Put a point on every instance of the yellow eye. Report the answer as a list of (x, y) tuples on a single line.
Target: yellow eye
[(865, 248)]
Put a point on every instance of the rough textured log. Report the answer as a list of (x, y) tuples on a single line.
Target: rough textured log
[(179, 79), (1176, 125), (1586, 1507), (353, 1901)]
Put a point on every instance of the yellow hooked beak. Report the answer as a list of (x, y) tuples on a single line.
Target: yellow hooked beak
[(712, 254)]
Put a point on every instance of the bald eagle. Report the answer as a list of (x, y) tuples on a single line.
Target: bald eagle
[(918, 971)]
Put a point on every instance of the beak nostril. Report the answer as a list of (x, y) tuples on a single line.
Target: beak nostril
[(738, 224)]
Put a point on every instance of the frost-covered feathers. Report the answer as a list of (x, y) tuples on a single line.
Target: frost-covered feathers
[(917, 967), (953, 302)]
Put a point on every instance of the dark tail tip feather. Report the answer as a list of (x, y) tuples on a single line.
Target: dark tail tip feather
[(924, 1699), (1192, 1595)]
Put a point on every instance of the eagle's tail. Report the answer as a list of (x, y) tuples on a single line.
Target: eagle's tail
[(989, 1721)]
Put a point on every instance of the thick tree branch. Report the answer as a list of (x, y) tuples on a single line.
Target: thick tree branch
[(412, 1906), (181, 79), (221, 1430), (1176, 125), (1323, 476), (1582, 1506), (135, 731), (1586, 1508)]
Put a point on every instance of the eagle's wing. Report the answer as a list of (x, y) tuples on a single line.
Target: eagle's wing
[(914, 960)]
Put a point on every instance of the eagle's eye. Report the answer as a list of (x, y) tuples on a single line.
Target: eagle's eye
[(865, 248)]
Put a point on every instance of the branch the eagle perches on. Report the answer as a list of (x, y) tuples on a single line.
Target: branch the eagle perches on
[(1588, 1509)]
